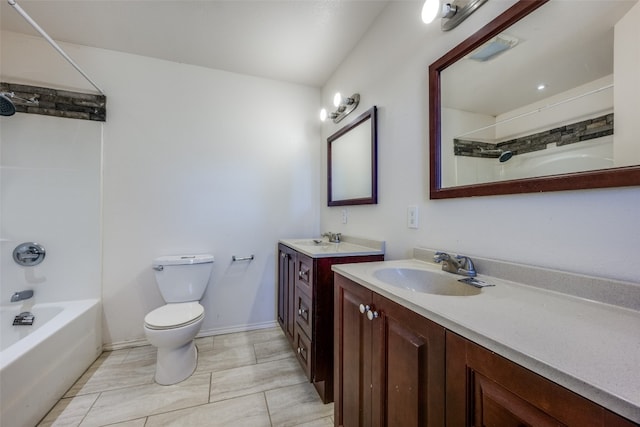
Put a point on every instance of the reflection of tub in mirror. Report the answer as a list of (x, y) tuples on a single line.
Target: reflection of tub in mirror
[(352, 162)]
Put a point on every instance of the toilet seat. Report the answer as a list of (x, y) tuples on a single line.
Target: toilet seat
[(171, 316)]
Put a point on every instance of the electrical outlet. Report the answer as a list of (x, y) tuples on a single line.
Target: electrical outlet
[(345, 216), (412, 217)]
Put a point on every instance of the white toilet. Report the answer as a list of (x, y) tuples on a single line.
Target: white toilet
[(172, 328)]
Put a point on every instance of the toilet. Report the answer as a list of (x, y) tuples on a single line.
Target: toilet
[(173, 327)]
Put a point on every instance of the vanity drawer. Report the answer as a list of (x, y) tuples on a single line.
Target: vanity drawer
[(305, 274), (303, 351), (304, 311)]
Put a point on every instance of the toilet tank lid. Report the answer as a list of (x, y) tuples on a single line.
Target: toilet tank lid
[(183, 259)]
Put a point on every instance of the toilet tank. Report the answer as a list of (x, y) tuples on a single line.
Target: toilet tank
[(183, 278)]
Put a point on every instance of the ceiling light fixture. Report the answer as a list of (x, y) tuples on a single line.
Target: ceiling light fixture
[(344, 107), (494, 47), (452, 13)]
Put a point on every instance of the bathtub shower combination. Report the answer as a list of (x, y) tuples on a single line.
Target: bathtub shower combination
[(39, 363)]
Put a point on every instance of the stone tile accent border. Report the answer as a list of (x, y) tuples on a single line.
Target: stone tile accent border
[(58, 103), (563, 135)]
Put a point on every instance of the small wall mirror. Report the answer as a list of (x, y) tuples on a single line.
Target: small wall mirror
[(529, 102), (352, 162)]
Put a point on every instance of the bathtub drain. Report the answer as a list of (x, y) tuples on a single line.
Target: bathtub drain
[(24, 318)]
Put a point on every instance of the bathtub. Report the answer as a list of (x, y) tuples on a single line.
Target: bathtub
[(39, 363), (592, 155)]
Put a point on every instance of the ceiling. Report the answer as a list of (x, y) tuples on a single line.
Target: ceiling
[(563, 44), (298, 41)]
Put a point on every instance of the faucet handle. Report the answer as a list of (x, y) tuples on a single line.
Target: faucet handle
[(466, 266), (441, 256)]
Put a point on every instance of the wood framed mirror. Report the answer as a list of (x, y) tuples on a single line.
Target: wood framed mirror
[(473, 123), (352, 162)]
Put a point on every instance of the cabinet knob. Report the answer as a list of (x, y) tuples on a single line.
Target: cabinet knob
[(283, 255), (299, 350), (372, 315), (301, 311), (364, 308)]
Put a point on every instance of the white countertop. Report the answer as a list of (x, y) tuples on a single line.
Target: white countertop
[(589, 347), (349, 246)]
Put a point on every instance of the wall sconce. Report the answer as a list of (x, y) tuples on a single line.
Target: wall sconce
[(344, 107), (452, 12)]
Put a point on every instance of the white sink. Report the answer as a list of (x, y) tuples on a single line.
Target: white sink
[(425, 281), (312, 242)]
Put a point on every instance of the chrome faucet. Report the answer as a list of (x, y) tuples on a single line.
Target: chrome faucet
[(22, 295), (333, 237), (458, 264)]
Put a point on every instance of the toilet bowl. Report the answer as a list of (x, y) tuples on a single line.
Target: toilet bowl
[(173, 327)]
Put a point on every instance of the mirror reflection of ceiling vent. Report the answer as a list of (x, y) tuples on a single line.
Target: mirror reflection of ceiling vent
[(494, 47)]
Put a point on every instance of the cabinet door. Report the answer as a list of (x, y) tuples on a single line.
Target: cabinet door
[(485, 389), (352, 351), (286, 287), (408, 367), (282, 286)]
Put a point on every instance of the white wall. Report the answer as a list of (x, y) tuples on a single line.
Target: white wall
[(195, 160), (626, 62), (589, 231)]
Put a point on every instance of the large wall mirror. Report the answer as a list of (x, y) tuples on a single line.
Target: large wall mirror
[(546, 97), (352, 162)]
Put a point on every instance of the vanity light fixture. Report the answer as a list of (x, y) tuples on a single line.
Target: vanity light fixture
[(452, 13), (344, 107)]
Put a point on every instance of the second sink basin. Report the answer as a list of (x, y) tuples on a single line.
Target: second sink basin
[(313, 242), (425, 281)]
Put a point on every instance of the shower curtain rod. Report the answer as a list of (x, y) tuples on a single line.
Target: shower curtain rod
[(52, 42)]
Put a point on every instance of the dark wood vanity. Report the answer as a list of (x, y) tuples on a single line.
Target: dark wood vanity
[(305, 310), (396, 368)]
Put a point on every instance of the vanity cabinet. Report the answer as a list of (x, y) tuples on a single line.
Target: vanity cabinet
[(394, 367), (389, 362), (485, 389), (305, 311)]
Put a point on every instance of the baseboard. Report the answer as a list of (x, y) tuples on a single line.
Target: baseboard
[(125, 344), (239, 328), (203, 333)]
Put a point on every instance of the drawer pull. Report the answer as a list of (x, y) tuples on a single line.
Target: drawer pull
[(301, 311)]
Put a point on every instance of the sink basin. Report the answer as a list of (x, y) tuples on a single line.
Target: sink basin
[(311, 242), (425, 281)]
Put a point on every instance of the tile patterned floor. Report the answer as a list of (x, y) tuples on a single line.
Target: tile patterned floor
[(247, 379)]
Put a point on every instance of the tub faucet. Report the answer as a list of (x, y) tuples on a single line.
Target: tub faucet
[(458, 264), (22, 295)]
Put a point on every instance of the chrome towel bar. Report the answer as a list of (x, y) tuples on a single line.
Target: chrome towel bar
[(245, 258)]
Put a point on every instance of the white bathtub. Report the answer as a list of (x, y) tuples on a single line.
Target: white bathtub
[(39, 363)]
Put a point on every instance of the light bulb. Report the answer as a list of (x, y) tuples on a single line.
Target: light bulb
[(323, 114), (337, 99), (430, 10)]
